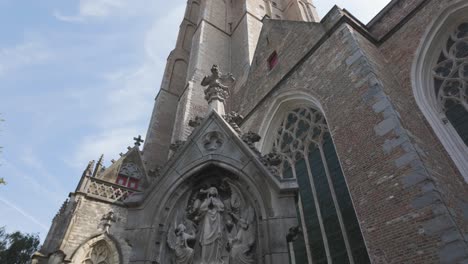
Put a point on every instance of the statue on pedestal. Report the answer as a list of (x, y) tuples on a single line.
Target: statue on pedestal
[(218, 88)]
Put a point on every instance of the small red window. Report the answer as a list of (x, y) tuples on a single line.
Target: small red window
[(122, 180), (133, 184), (272, 60), (127, 182)]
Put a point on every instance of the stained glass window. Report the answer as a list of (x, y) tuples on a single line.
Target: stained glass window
[(451, 80), (325, 209)]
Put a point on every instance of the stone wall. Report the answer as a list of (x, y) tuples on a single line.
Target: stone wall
[(87, 223), (409, 197)]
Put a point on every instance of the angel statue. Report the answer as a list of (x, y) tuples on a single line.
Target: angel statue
[(242, 245), (218, 85), (177, 241)]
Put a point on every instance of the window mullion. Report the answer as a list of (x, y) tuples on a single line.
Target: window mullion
[(337, 206), (304, 228), (317, 205)]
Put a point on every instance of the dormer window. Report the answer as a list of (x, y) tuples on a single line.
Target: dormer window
[(129, 176), (272, 60)]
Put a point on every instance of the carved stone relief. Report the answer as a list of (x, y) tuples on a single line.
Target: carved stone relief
[(214, 225), (213, 140)]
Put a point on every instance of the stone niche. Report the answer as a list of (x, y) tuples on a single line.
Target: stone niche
[(215, 220)]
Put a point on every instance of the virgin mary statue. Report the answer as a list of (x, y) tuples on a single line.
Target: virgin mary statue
[(211, 235)]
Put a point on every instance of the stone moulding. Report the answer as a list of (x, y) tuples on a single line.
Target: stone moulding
[(105, 191), (161, 206), (422, 82)]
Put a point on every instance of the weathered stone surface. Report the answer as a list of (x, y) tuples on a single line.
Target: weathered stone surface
[(409, 197)]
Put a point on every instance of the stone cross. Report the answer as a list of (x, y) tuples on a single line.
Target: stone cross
[(217, 90), (138, 140)]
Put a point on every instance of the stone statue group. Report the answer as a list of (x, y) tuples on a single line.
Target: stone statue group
[(218, 229)]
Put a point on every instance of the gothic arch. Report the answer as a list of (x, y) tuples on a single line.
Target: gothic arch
[(279, 107), (188, 37), (181, 190), (427, 56), (178, 76), (195, 12), (297, 130), (101, 249)]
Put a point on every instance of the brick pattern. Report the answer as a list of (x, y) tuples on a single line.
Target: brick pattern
[(410, 199)]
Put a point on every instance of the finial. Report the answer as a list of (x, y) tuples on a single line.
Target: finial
[(89, 169), (98, 168), (121, 154), (138, 140)]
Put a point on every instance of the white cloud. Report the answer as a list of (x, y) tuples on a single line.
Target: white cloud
[(109, 143), (23, 54), (106, 8), (34, 181), (126, 105), (100, 8), (23, 213), (32, 161)]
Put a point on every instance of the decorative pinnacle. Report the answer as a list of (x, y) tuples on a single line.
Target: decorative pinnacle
[(138, 140)]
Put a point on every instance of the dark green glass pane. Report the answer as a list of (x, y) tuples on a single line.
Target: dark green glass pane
[(458, 117), (287, 172), (353, 230), (331, 223), (317, 246), (300, 251)]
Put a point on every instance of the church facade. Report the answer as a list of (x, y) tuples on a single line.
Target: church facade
[(280, 138)]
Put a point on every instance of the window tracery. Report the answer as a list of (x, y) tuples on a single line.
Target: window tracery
[(331, 232), (99, 254), (451, 80)]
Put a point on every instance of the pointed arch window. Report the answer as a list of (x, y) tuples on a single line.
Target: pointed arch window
[(98, 254), (440, 79), (451, 80), (331, 232)]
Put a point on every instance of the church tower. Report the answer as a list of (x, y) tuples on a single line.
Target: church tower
[(343, 147), (221, 32)]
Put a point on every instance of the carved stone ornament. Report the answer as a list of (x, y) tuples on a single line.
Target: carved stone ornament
[(293, 234), (234, 119), (155, 173), (131, 170), (177, 145), (196, 122), (250, 138), (213, 140), (107, 220), (217, 85), (218, 226), (272, 162)]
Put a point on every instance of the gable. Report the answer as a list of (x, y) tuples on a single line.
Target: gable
[(214, 142), (291, 40)]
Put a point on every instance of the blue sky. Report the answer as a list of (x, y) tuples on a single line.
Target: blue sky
[(78, 78)]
